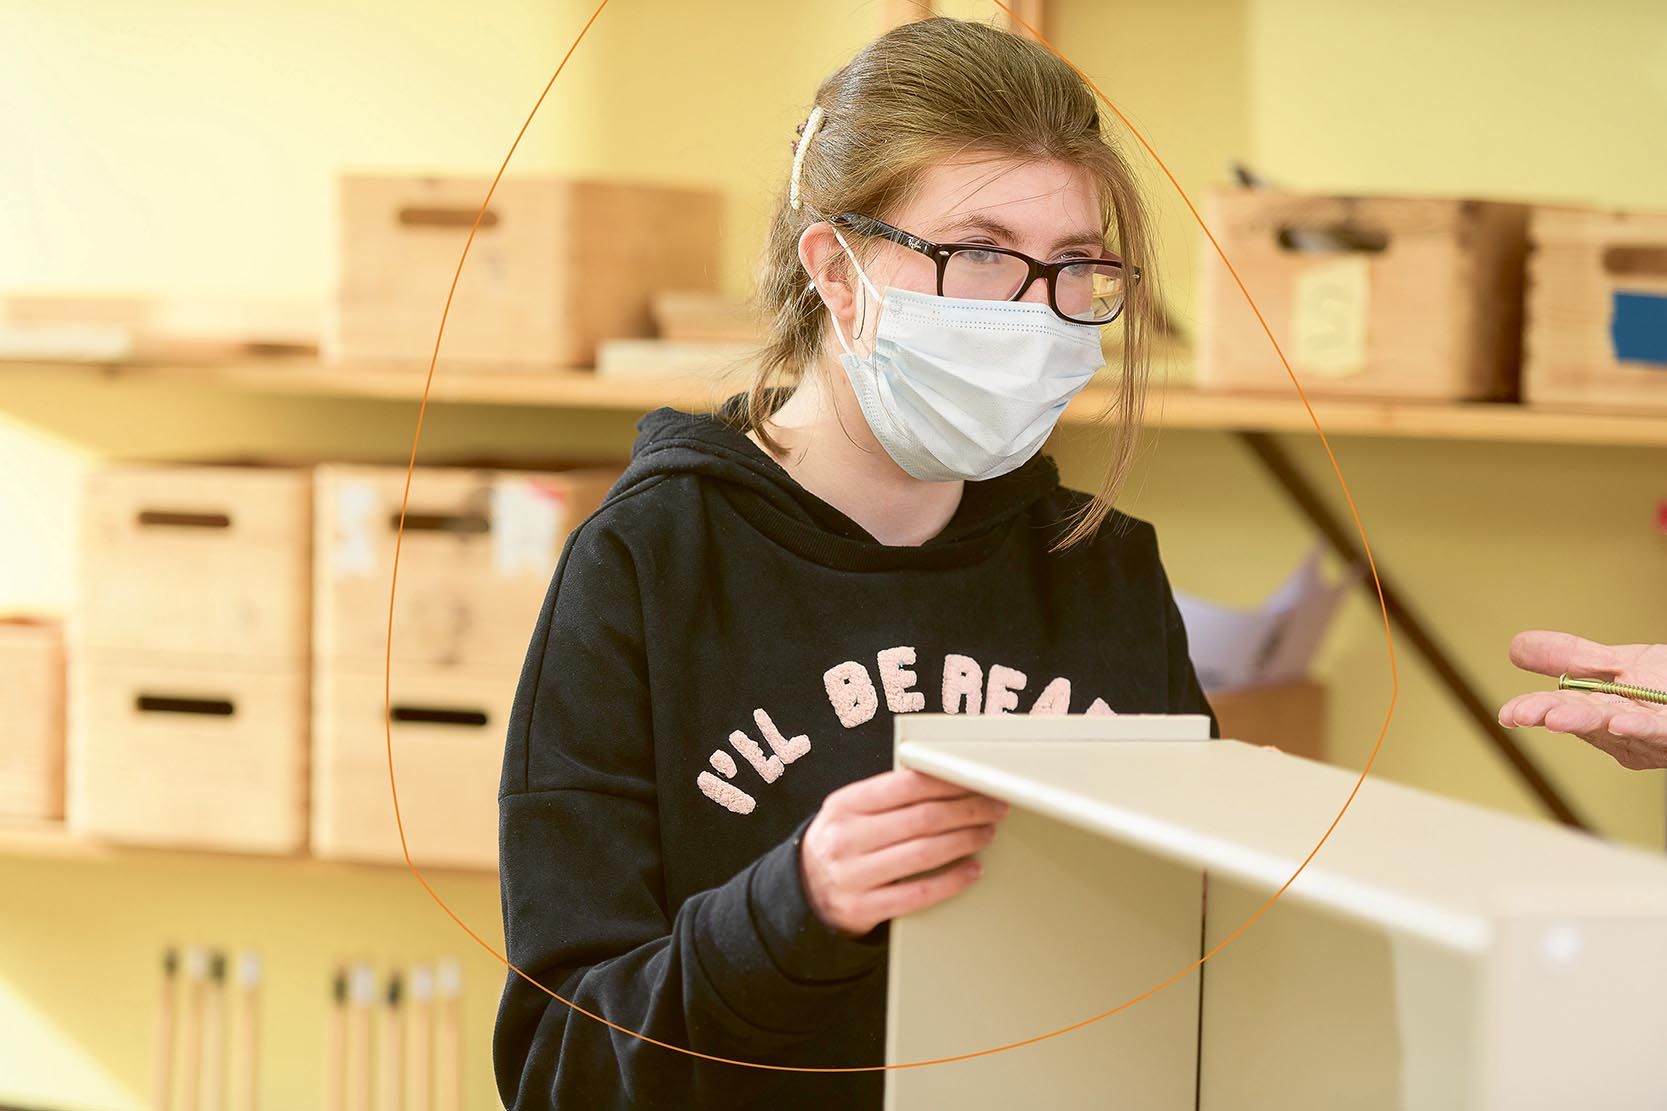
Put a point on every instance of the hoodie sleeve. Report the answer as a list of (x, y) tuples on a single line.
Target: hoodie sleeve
[(745, 970)]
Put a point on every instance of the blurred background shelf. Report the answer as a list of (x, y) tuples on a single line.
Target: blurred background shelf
[(1175, 407), (46, 840)]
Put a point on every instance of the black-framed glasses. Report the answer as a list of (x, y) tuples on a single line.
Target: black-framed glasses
[(1080, 290)]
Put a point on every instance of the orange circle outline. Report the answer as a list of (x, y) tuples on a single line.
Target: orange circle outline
[(1360, 528)]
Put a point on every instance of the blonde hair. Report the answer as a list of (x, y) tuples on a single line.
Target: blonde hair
[(921, 94)]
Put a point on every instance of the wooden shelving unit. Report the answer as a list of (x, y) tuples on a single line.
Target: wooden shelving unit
[(1172, 408), (1251, 417)]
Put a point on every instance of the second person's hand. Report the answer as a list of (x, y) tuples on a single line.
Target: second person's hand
[(1634, 733)]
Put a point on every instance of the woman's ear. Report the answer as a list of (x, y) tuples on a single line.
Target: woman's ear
[(824, 262)]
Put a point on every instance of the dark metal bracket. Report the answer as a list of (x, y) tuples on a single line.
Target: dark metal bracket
[(1459, 685)]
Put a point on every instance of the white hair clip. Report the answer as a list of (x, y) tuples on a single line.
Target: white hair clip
[(811, 123)]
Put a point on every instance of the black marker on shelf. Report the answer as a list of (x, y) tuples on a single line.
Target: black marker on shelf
[(162, 1064), (213, 1092), (335, 1046), (391, 1057)]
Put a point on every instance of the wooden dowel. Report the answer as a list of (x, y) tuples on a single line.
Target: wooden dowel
[(246, 1075), (361, 1001), (448, 1037), (419, 1075), (191, 1029)]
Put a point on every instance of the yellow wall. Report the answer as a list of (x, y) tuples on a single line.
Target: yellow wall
[(181, 147)]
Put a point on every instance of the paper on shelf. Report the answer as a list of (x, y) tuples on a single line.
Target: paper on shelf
[(1273, 643), (526, 522)]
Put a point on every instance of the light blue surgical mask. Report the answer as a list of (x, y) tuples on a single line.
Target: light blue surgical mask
[(966, 388)]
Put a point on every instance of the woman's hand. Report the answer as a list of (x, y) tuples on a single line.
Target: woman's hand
[(892, 827), (1634, 733)]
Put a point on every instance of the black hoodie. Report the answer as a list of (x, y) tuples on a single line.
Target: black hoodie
[(718, 651)]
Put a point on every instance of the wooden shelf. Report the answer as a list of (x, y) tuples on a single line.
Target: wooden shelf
[(575, 389), (23, 838), (1174, 408), (1485, 421)]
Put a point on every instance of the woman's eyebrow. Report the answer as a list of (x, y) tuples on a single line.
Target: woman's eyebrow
[(1002, 231)]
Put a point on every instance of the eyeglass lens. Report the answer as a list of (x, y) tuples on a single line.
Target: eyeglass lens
[(1090, 292)]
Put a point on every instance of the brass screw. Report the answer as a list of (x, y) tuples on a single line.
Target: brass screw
[(1625, 690)]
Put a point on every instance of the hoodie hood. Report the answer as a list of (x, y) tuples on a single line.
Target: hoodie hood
[(715, 446)]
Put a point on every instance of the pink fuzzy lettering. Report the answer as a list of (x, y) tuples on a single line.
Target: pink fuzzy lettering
[(963, 681), (897, 680), (1004, 683), (1054, 699), (852, 693)]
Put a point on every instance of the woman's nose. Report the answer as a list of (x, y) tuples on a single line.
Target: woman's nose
[(1037, 291)]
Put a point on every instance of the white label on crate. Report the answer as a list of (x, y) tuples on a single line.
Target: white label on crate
[(355, 551), (1328, 317), (526, 519)]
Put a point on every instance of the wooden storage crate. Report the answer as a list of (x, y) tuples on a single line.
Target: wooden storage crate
[(1597, 310), (1290, 716), (474, 565), (556, 265), (195, 563), (1390, 297), (701, 317), (162, 754), (31, 719), (447, 730), (725, 366)]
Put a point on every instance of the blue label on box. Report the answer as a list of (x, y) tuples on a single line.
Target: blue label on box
[(1639, 328)]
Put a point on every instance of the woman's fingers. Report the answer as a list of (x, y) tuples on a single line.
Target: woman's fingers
[(893, 900), (896, 825), (914, 856), (892, 789), (1553, 653), (922, 820)]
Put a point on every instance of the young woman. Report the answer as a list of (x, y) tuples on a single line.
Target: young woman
[(701, 839)]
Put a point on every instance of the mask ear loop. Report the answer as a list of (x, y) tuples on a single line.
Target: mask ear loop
[(862, 319)]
